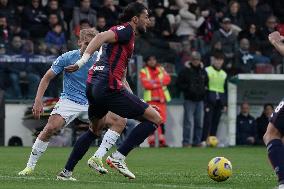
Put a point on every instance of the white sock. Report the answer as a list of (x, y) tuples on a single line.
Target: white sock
[(38, 149), (118, 155), (108, 141)]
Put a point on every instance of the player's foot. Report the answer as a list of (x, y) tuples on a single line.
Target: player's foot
[(27, 171), (120, 165), (97, 164), (65, 177), (281, 186)]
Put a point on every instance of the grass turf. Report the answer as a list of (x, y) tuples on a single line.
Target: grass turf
[(154, 168)]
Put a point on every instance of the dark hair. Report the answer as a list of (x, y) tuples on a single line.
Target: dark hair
[(192, 7), (132, 9), (85, 21), (266, 105), (218, 54)]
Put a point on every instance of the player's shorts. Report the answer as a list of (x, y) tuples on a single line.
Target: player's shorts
[(121, 102), (70, 110), (277, 118)]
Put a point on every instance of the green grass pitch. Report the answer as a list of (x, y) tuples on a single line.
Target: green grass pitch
[(154, 168)]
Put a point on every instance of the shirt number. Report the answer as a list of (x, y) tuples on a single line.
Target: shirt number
[(279, 106)]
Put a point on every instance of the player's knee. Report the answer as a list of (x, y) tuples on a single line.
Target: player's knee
[(271, 133), (49, 130)]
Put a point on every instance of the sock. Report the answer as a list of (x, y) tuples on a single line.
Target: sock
[(275, 150), (118, 155), (108, 141), (38, 149), (136, 137), (79, 150)]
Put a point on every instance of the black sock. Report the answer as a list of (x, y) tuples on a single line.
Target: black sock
[(275, 150), (137, 136), (79, 150)]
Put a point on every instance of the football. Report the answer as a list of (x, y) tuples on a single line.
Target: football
[(212, 141), (219, 169)]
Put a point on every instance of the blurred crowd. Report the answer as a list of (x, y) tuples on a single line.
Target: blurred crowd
[(238, 28), (194, 40)]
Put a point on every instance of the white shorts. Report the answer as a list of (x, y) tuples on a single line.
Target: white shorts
[(70, 110)]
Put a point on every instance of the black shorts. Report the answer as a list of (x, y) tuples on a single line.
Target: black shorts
[(121, 102), (277, 118)]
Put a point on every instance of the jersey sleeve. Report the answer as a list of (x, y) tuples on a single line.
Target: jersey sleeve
[(122, 33), (58, 65)]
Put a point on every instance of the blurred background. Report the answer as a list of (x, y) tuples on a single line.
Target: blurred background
[(185, 39)]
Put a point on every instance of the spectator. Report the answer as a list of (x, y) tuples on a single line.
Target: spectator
[(216, 100), (84, 24), (262, 122), (252, 34), (6, 10), (84, 12), (255, 13), (235, 15), (42, 49), (16, 46), (278, 9), (155, 79), (266, 48), (244, 60), (217, 46), (193, 81), (4, 33), (16, 29), (35, 19), (53, 8), (21, 74), (148, 43), (246, 127), (101, 24), (162, 24), (53, 19), (189, 23), (184, 55), (110, 12), (55, 40), (228, 39)]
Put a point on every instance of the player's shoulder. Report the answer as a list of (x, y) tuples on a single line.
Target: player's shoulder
[(122, 27), (71, 53)]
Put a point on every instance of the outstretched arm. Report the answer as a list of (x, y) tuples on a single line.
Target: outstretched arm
[(276, 40), (95, 44), (38, 106)]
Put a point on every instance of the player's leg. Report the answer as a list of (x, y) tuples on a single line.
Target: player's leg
[(55, 123), (83, 143), (272, 139), (275, 149), (130, 106), (116, 125)]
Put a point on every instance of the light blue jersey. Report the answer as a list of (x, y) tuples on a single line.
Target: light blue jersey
[(74, 84)]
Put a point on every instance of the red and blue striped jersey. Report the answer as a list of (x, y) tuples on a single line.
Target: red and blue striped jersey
[(113, 58)]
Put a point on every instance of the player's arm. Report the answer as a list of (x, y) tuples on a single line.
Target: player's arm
[(101, 38), (38, 106), (125, 83)]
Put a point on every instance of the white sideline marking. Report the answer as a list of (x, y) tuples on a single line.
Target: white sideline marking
[(105, 182)]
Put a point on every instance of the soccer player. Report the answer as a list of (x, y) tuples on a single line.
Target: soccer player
[(105, 91), (73, 102), (275, 129)]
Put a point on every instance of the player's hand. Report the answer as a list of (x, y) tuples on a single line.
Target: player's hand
[(37, 109), (274, 37), (155, 107), (71, 68)]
